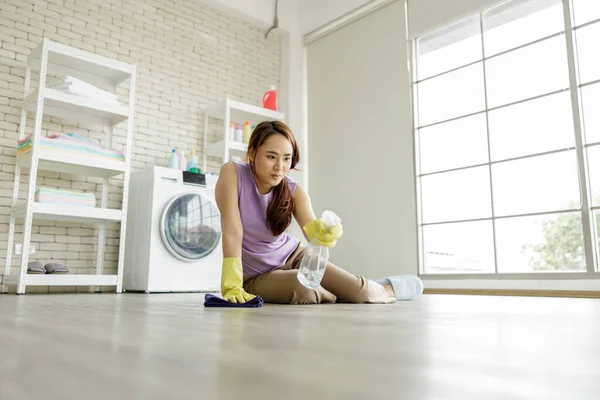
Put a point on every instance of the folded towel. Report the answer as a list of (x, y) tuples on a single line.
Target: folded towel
[(71, 143), (77, 136), (78, 87), (210, 300), (64, 197), (64, 193)]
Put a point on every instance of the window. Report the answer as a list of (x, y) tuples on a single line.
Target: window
[(508, 140)]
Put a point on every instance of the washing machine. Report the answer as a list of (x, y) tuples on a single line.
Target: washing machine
[(173, 239)]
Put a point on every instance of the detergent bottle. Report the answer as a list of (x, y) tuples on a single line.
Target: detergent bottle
[(174, 160), (314, 262), (192, 164), (239, 134), (182, 161), (270, 99), (231, 131), (247, 132)]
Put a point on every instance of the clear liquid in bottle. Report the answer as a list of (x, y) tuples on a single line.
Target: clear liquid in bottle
[(312, 267)]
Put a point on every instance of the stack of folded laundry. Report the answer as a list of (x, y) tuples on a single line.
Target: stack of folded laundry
[(66, 197), (71, 85), (70, 143)]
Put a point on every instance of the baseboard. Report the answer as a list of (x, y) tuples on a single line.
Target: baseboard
[(590, 294)]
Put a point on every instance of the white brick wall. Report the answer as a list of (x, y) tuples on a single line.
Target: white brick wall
[(188, 56)]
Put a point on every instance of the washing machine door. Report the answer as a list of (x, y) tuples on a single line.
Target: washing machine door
[(190, 226)]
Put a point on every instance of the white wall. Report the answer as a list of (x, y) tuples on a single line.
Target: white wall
[(360, 142), (188, 56)]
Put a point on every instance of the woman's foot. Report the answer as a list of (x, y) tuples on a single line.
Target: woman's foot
[(389, 290), (380, 294)]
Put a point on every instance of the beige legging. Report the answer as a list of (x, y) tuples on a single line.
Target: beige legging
[(281, 286)]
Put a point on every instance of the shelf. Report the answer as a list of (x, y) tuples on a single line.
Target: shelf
[(57, 161), (64, 280), (241, 112), (60, 212), (81, 64), (49, 60), (77, 108), (216, 149)]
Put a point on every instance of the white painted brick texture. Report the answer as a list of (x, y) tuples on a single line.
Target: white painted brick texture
[(187, 55)]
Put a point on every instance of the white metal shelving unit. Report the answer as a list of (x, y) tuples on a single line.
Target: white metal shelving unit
[(233, 111), (52, 57)]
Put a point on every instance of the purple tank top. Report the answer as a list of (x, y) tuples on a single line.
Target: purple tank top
[(261, 251)]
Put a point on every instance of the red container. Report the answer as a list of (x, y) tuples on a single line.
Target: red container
[(270, 99)]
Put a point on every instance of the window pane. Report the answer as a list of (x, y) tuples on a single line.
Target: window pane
[(590, 98), (548, 243), (527, 72), (593, 159), (585, 11), (450, 48), (588, 53), (451, 95), (531, 127), (518, 22), (537, 184), (454, 144), (466, 247), (458, 195)]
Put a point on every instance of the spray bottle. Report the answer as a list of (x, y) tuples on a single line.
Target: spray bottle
[(314, 262)]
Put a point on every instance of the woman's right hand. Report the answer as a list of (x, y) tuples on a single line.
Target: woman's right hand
[(232, 281)]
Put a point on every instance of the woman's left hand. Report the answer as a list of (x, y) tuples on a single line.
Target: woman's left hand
[(315, 230)]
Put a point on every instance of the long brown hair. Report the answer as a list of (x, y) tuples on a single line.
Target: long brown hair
[(281, 208)]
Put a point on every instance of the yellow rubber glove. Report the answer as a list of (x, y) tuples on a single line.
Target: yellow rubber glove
[(317, 234), (232, 281)]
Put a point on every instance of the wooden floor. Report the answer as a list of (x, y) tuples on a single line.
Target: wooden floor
[(106, 346)]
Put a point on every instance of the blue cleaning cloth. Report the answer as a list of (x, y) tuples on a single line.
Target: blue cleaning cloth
[(210, 300)]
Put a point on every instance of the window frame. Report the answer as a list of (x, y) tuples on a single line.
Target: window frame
[(586, 210)]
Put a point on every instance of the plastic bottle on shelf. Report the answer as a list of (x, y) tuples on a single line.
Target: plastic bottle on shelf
[(231, 131), (239, 134), (173, 159), (314, 262), (182, 160), (192, 164), (247, 132), (270, 99)]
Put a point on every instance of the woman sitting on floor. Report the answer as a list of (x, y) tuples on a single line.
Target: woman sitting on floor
[(257, 201)]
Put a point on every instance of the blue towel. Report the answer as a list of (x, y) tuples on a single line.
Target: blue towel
[(210, 300)]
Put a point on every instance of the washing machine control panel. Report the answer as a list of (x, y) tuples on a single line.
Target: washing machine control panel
[(194, 178)]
